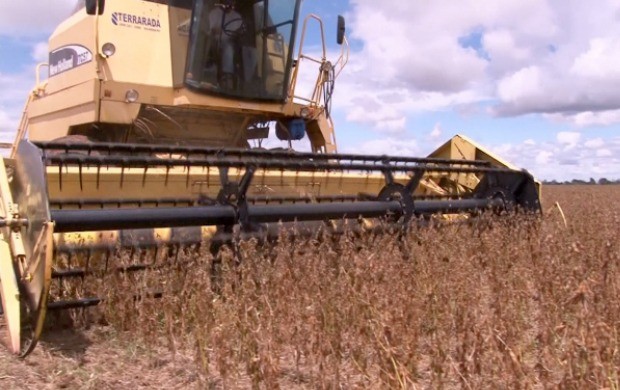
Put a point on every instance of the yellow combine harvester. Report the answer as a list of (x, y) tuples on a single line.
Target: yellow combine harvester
[(148, 132)]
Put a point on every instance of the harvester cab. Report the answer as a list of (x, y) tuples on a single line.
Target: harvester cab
[(148, 133), (207, 72)]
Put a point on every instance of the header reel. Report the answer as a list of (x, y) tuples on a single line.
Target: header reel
[(80, 200)]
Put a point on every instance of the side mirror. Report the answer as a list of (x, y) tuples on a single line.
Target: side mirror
[(341, 30), (95, 7)]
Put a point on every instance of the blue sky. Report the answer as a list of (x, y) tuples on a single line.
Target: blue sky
[(536, 81)]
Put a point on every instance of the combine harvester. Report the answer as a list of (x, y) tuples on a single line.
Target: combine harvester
[(142, 135)]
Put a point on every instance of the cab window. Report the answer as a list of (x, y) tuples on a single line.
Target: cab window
[(242, 48)]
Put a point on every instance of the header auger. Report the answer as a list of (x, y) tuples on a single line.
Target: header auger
[(116, 157)]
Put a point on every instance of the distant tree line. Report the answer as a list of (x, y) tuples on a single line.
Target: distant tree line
[(601, 181)]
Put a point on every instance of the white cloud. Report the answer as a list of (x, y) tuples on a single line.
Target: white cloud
[(525, 56), (40, 52), (503, 50), (32, 17), (308, 72), (588, 118), (7, 124), (389, 146), (22, 21), (369, 109), (559, 59), (600, 61), (555, 161), (525, 82), (15, 88), (428, 35), (365, 98), (436, 132), (594, 143), (550, 160), (569, 138), (543, 157)]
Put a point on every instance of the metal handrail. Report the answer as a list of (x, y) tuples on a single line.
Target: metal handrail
[(301, 55), (340, 63)]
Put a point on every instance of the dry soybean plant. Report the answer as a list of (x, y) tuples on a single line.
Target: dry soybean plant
[(501, 303)]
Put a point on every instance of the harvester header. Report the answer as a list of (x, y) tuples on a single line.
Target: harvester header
[(149, 133)]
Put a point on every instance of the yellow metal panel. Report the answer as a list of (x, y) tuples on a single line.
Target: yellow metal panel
[(51, 116), (140, 32), (77, 95), (56, 124), (79, 29), (178, 182), (10, 297), (119, 112), (149, 94), (462, 148)]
